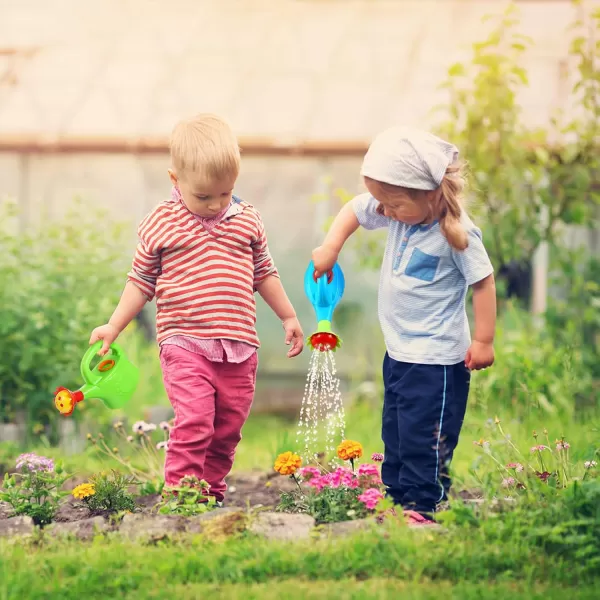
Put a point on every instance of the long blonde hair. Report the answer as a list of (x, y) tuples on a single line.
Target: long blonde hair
[(446, 203)]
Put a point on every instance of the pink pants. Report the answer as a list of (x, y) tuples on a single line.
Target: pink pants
[(211, 401)]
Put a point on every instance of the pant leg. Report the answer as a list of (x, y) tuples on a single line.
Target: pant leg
[(453, 422), (428, 404), (235, 392), (390, 434), (190, 383)]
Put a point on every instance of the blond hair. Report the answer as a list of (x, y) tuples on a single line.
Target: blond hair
[(445, 203), (206, 145)]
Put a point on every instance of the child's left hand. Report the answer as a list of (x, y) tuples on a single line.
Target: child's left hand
[(479, 356), (293, 336)]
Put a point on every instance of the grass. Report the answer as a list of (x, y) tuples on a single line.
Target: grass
[(376, 589), (387, 559)]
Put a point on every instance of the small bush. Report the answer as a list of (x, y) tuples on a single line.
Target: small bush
[(107, 491)]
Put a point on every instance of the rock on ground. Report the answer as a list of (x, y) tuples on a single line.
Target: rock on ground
[(82, 530), (345, 528), (17, 527), (151, 528), (282, 526)]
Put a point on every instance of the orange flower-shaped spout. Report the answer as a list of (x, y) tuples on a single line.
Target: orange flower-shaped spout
[(65, 400)]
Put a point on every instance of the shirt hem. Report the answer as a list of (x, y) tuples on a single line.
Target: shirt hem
[(428, 360), (163, 338)]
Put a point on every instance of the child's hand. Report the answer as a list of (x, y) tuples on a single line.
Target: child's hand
[(108, 334), (479, 356), (323, 258), (293, 336)]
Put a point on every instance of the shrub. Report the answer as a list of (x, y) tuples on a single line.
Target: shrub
[(57, 281)]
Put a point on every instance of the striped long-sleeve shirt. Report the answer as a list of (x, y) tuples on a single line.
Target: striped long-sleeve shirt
[(203, 280)]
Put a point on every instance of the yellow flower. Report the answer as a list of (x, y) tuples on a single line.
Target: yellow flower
[(287, 463), (349, 450), (84, 491)]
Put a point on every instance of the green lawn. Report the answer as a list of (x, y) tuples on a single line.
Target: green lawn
[(492, 561)]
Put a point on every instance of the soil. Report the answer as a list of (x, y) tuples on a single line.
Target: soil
[(245, 490)]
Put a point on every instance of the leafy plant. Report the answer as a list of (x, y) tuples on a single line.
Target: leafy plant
[(189, 498), (35, 489), (107, 491), (57, 281), (152, 488)]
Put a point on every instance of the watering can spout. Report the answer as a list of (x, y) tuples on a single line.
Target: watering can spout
[(113, 381), (324, 294)]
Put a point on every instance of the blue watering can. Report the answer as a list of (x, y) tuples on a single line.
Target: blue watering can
[(324, 294)]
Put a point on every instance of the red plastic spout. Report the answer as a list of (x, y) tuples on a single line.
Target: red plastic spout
[(324, 341)]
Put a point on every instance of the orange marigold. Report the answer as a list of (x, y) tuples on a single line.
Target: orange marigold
[(349, 450), (287, 463)]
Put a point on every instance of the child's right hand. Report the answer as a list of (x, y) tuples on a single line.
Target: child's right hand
[(323, 258), (108, 334)]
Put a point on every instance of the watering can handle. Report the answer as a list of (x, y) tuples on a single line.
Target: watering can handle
[(329, 276), (86, 372)]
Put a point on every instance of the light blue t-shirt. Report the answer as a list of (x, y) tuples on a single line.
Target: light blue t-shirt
[(423, 286)]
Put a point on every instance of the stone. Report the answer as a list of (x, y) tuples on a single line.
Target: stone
[(282, 526), (6, 510), (17, 527), (82, 530), (345, 528), (151, 528), (225, 519)]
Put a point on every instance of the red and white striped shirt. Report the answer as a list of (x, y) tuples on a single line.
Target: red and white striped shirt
[(204, 279)]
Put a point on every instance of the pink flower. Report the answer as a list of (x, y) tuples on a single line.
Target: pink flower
[(590, 464), (538, 448), (341, 477), (308, 473), (377, 457), (318, 483), (518, 467), (370, 498), (369, 473), (562, 445), (368, 470), (508, 482)]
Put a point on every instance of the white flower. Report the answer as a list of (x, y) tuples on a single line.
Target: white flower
[(590, 464), (164, 426), (130, 438), (162, 446), (139, 427), (149, 427)]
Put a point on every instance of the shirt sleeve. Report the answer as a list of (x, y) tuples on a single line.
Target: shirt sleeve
[(146, 265), (473, 262), (264, 266), (365, 209)]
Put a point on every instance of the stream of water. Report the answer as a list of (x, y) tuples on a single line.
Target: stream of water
[(322, 420)]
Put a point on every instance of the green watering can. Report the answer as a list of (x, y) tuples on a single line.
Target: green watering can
[(113, 380)]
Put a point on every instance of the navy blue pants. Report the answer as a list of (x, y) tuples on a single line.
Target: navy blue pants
[(423, 413)]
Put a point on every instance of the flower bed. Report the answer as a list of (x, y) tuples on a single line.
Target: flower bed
[(336, 494)]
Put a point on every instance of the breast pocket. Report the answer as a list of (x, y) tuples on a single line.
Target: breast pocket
[(422, 266)]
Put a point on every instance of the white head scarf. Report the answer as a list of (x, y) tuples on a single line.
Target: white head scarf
[(409, 158)]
